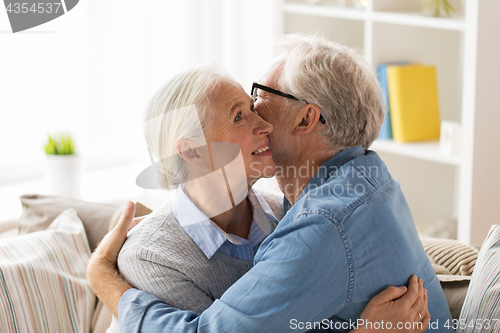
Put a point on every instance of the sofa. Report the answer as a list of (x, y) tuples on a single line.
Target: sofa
[(44, 252), (53, 229)]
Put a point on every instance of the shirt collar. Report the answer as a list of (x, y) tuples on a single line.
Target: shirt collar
[(328, 169), (209, 236)]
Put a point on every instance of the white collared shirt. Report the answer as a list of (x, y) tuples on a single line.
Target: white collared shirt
[(210, 237)]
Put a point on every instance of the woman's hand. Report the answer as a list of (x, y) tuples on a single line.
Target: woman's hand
[(102, 271), (397, 309)]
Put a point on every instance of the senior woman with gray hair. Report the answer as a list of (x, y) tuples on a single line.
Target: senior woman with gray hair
[(194, 247), (191, 249)]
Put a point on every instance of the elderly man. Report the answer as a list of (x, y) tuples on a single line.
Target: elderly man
[(348, 232)]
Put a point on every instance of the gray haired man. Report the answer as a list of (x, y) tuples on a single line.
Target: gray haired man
[(348, 232)]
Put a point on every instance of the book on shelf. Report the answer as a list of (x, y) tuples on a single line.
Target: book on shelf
[(413, 100), (386, 129)]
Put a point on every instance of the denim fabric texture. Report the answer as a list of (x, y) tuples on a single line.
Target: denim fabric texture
[(349, 236)]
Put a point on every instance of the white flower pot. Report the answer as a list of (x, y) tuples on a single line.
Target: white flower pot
[(63, 174)]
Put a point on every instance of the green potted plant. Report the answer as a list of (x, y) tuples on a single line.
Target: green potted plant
[(61, 144), (62, 165), (437, 8)]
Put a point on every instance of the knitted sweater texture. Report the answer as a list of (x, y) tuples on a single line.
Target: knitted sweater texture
[(160, 258)]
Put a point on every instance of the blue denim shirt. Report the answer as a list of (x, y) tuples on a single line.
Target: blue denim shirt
[(349, 236)]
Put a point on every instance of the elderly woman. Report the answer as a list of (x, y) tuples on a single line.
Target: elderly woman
[(191, 249)]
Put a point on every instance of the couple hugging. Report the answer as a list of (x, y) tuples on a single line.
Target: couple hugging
[(223, 257)]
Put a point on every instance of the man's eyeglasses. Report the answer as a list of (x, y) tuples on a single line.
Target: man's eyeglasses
[(255, 92)]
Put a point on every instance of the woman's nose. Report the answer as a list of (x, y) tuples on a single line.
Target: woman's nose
[(262, 127)]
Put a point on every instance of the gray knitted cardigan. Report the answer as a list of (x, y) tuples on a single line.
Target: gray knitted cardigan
[(160, 258)]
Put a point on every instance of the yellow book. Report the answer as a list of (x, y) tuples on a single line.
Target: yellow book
[(414, 104)]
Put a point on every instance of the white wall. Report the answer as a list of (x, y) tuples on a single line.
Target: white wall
[(92, 70), (486, 160)]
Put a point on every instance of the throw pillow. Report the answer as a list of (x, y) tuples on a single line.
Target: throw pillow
[(40, 210), (42, 279), (455, 257), (140, 210), (481, 309)]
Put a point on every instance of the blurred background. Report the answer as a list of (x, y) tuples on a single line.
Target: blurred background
[(91, 72)]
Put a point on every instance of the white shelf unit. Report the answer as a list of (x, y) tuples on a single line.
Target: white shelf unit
[(424, 150), (404, 18), (466, 52)]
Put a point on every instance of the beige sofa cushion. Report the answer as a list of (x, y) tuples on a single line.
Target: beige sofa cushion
[(453, 262), (8, 225), (453, 257), (9, 233), (40, 210), (140, 210)]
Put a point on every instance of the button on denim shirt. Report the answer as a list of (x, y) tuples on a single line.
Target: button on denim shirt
[(348, 237)]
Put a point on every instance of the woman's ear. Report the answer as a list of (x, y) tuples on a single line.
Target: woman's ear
[(192, 154), (308, 117)]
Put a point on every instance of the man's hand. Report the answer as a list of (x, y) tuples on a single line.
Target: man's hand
[(405, 309), (102, 271)]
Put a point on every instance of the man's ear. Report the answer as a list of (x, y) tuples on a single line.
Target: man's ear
[(307, 119), (192, 154)]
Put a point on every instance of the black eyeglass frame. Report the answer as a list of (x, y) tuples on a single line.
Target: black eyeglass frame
[(280, 93)]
